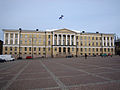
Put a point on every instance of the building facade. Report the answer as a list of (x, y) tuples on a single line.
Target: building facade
[(1, 47), (56, 43)]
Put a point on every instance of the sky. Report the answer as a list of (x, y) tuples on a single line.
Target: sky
[(88, 15)]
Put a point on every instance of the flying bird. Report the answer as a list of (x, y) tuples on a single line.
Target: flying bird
[(61, 17)]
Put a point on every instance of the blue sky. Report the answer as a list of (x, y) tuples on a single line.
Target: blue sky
[(89, 15)]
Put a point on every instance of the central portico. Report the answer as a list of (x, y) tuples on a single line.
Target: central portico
[(64, 42)]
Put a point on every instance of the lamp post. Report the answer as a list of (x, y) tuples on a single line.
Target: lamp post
[(19, 41)]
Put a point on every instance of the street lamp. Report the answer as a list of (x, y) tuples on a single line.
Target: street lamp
[(19, 41)]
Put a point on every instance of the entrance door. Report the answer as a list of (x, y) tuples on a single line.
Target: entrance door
[(68, 50)]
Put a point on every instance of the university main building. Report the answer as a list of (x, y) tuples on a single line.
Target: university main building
[(56, 43)]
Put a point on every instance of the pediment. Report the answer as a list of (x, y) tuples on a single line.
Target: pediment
[(64, 31)]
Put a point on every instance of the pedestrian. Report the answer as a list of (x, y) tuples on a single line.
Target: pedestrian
[(85, 56)]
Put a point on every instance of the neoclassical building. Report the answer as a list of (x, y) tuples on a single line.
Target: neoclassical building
[(56, 43)]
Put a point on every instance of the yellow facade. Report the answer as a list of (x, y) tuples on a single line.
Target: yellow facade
[(56, 43)]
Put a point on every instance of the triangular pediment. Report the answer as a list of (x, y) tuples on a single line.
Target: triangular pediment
[(64, 31)]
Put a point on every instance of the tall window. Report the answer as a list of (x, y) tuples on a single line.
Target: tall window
[(25, 48), (6, 35), (15, 48), (34, 48), (49, 36), (39, 48), (29, 48), (11, 35), (16, 35), (10, 48), (5, 48)]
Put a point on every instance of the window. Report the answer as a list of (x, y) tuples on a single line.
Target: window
[(92, 38), (105, 49), (15, 48), (81, 38), (77, 43), (89, 49), (10, 48), (108, 49), (104, 38), (39, 48), (81, 43), (96, 38), (30, 36), (5, 48), (72, 49), (85, 38), (49, 36), (6, 41), (81, 49), (43, 49), (6, 35), (25, 41), (96, 49), (29, 48), (39, 36), (49, 49), (93, 49), (15, 41), (55, 49), (96, 43), (88, 38), (85, 49), (16, 35), (77, 49), (48, 42), (11, 35), (77, 37), (107, 38), (25, 48), (30, 42), (34, 48), (93, 44)]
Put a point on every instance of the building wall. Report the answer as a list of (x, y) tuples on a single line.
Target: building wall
[(55, 43), (1, 47)]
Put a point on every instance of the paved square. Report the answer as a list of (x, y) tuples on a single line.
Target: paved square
[(93, 73)]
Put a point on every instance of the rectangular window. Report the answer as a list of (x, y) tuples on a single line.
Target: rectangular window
[(55, 49), (6, 35), (39, 48), (85, 49), (25, 48), (49, 49), (5, 48), (49, 36), (107, 38), (81, 49), (48, 42), (96, 43), (105, 49), (93, 49), (11, 35), (6, 41), (92, 38), (43, 49), (29, 48), (72, 49), (96, 38), (77, 49), (16, 41), (97, 49), (34, 48), (104, 38), (10, 48), (16, 35), (15, 48)]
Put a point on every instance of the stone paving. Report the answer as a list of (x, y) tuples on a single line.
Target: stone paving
[(93, 73)]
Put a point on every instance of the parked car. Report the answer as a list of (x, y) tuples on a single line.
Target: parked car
[(7, 57), (2, 60), (28, 57)]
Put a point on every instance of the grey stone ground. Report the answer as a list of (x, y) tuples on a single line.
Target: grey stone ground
[(93, 73)]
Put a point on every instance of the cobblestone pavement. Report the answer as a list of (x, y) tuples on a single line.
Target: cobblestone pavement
[(93, 73)]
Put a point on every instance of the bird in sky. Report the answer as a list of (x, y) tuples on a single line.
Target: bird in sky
[(61, 17)]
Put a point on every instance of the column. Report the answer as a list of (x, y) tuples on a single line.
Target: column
[(18, 38), (13, 38), (70, 39), (4, 38), (74, 40), (106, 41), (103, 41), (57, 39), (53, 38), (113, 42), (66, 39), (61, 39), (110, 41), (8, 38)]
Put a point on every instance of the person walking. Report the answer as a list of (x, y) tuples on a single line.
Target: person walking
[(85, 56)]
